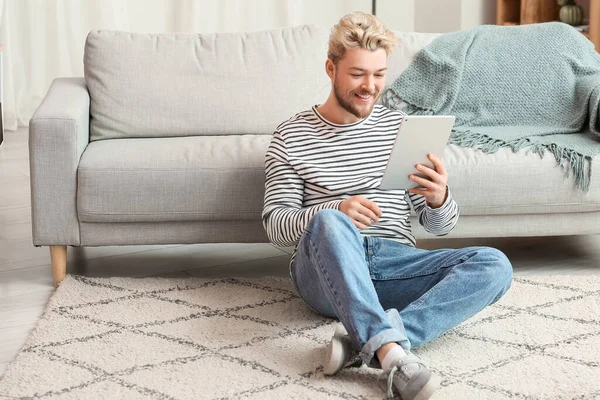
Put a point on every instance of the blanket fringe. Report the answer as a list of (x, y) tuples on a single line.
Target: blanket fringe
[(569, 160), (391, 100)]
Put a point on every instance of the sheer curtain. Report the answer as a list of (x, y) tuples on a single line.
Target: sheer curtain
[(44, 39)]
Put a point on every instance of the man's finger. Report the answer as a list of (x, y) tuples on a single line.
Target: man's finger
[(373, 211), (365, 215), (371, 205), (437, 163), (427, 194), (425, 183), (422, 192), (358, 224), (361, 217), (369, 213), (430, 172)]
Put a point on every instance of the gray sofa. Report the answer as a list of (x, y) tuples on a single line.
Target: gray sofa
[(163, 142)]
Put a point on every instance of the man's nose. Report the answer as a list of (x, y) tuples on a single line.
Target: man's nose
[(368, 83)]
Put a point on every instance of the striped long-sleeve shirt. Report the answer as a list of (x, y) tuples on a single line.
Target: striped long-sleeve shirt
[(312, 164)]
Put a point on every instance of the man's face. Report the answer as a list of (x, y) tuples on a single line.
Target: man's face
[(358, 80)]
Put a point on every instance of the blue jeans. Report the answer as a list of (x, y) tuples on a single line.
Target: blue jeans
[(342, 274)]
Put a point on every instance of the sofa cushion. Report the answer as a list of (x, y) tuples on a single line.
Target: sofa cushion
[(162, 85), (410, 44), (172, 179), (515, 183), (222, 178)]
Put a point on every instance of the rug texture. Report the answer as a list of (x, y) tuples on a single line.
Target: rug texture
[(158, 338)]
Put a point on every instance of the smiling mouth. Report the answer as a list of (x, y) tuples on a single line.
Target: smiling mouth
[(363, 97)]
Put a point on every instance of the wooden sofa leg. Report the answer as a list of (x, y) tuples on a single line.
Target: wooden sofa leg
[(58, 256)]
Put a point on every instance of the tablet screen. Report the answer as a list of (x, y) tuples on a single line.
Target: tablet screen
[(418, 136)]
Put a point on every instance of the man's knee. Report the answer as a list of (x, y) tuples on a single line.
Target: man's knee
[(329, 220), (498, 269)]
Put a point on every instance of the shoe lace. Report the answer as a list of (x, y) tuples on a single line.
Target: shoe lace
[(390, 382), (391, 372)]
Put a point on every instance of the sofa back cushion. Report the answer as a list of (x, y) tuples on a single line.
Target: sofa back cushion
[(410, 44), (164, 85)]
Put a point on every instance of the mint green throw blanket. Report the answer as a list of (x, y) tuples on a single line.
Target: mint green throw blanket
[(535, 86)]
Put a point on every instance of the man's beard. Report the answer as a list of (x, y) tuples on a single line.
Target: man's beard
[(349, 106)]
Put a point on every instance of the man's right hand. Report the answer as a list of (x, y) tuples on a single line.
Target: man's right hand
[(362, 211)]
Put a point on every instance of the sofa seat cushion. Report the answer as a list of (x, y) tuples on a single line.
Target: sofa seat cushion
[(222, 178), (172, 179), (515, 183)]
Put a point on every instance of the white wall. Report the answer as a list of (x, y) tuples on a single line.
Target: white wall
[(398, 15), (436, 16), (44, 39), (477, 12)]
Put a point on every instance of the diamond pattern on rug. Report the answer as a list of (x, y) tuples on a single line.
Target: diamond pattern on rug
[(98, 391), (41, 376), (290, 355), (116, 351), (159, 338), (586, 309), (464, 391), (518, 375), (583, 351), (140, 310), (218, 297), (207, 375), (526, 295), (60, 329), (527, 329), (291, 314), (441, 354), (215, 331)]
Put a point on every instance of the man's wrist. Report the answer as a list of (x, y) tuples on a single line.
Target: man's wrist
[(432, 205)]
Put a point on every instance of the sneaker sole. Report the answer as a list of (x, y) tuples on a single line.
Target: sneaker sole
[(430, 387), (334, 354), (334, 360)]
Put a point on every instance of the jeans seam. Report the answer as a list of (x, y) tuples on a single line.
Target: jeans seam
[(327, 278), (369, 254), (294, 279), (422, 273)]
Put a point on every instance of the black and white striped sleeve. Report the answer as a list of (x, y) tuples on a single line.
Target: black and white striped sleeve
[(438, 221), (284, 218)]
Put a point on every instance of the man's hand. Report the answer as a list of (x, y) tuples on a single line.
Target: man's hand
[(434, 188), (362, 211)]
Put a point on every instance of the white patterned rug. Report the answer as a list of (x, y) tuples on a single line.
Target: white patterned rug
[(158, 338)]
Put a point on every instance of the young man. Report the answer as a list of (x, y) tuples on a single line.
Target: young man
[(355, 257)]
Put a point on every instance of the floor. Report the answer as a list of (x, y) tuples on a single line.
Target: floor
[(26, 279)]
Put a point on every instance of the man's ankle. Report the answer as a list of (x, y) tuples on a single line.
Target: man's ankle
[(388, 354)]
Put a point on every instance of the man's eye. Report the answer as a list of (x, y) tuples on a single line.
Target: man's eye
[(356, 75), (379, 75)]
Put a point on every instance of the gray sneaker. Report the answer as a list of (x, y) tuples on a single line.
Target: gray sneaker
[(411, 378), (340, 353)]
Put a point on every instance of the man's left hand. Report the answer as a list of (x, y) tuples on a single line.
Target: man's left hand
[(434, 188)]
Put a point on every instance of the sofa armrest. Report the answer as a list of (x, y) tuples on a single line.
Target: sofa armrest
[(58, 135)]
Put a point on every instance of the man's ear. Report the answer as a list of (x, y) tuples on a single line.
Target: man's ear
[(330, 68)]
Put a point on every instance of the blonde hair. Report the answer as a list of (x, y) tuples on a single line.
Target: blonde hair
[(359, 30)]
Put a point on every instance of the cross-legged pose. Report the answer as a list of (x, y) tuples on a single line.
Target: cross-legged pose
[(355, 257)]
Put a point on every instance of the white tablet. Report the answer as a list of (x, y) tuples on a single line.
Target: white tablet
[(418, 136)]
